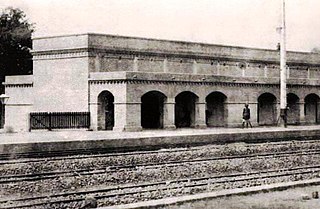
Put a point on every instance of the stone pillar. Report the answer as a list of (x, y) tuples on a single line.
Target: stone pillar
[(127, 116), (168, 114), (233, 114), (254, 113), (120, 115), (93, 108), (277, 122), (302, 118), (200, 116), (133, 122)]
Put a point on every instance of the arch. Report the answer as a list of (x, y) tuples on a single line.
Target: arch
[(216, 112), (105, 111), (293, 109), (267, 109), (185, 109), (311, 109), (152, 104)]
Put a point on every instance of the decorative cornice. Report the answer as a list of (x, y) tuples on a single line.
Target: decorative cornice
[(199, 83), (59, 51), (117, 81), (60, 54), (175, 82), (305, 86), (20, 85)]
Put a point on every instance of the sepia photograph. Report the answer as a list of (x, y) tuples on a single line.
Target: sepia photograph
[(159, 104)]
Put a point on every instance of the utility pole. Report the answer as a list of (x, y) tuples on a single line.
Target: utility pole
[(283, 70)]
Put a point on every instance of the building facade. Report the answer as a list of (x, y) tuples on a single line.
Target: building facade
[(130, 84)]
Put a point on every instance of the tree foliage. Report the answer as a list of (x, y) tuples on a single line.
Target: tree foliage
[(316, 50), (15, 43)]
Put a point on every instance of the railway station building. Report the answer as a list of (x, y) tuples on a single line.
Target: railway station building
[(129, 84)]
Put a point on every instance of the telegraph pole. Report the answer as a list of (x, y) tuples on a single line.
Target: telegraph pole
[(283, 70)]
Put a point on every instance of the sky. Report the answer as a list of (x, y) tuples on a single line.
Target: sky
[(248, 23)]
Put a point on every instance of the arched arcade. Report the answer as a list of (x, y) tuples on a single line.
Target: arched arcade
[(185, 104), (267, 109), (311, 108), (216, 112), (152, 107), (105, 111), (293, 113)]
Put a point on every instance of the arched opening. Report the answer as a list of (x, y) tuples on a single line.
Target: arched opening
[(293, 109), (152, 110), (311, 108), (185, 109), (105, 111), (267, 109), (215, 109)]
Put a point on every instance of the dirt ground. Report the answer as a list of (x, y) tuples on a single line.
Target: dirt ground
[(297, 198)]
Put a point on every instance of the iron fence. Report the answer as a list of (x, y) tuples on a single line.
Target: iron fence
[(59, 120)]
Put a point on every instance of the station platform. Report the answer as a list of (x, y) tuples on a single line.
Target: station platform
[(110, 141)]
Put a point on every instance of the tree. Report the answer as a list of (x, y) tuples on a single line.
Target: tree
[(15, 44), (315, 50)]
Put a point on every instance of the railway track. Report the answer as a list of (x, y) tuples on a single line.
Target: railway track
[(147, 191), (111, 169), (145, 175), (85, 154), (172, 153)]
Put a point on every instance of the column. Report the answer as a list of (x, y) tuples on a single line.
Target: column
[(302, 113), (127, 116), (277, 119), (133, 117), (93, 108), (168, 114), (253, 111), (233, 113), (200, 116)]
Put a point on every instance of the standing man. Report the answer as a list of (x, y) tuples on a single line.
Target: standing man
[(246, 116)]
